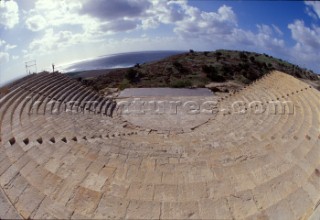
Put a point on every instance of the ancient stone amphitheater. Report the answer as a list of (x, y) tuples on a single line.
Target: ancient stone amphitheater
[(84, 160)]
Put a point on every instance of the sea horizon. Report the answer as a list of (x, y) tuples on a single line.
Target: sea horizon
[(117, 60)]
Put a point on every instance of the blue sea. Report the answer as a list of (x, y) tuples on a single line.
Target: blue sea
[(120, 60)]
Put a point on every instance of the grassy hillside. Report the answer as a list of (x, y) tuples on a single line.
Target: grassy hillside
[(198, 69)]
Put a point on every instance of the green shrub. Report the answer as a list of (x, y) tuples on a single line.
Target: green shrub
[(201, 85), (209, 69), (124, 84), (242, 78), (137, 65), (243, 66), (177, 65), (227, 70), (181, 69), (132, 75), (243, 56), (218, 54), (180, 83), (213, 73)]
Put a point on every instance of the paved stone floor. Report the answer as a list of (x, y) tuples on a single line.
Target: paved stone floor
[(168, 113), (93, 161)]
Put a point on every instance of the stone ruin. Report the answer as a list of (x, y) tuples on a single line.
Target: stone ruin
[(67, 152)]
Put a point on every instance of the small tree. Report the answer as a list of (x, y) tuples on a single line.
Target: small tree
[(177, 65), (137, 65), (132, 75), (213, 73), (218, 55), (180, 83), (243, 56)]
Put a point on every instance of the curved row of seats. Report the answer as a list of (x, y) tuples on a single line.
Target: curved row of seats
[(33, 93), (41, 93), (236, 166)]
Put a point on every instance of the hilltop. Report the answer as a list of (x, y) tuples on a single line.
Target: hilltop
[(221, 70)]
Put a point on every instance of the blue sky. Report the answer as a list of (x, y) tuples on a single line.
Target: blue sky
[(64, 31)]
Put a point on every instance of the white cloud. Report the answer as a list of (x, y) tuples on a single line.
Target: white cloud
[(52, 41), (101, 19), (57, 13), (277, 29), (4, 57), (4, 50), (118, 26), (51, 13), (9, 47), (115, 9), (269, 30), (9, 14), (264, 29), (65, 23), (54, 18), (13, 57), (97, 21), (315, 6), (262, 40), (311, 13), (265, 38), (6, 46), (221, 29), (166, 12), (93, 21), (36, 23), (307, 39), (2, 42), (200, 23)]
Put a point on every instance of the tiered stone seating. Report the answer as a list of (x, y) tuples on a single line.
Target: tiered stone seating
[(82, 165), (58, 97), (67, 97)]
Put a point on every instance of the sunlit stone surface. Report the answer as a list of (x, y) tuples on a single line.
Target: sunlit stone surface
[(89, 160)]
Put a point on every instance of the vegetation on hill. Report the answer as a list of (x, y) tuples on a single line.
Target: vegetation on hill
[(198, 69)]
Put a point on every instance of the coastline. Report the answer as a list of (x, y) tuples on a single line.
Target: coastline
[(86, 74)]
